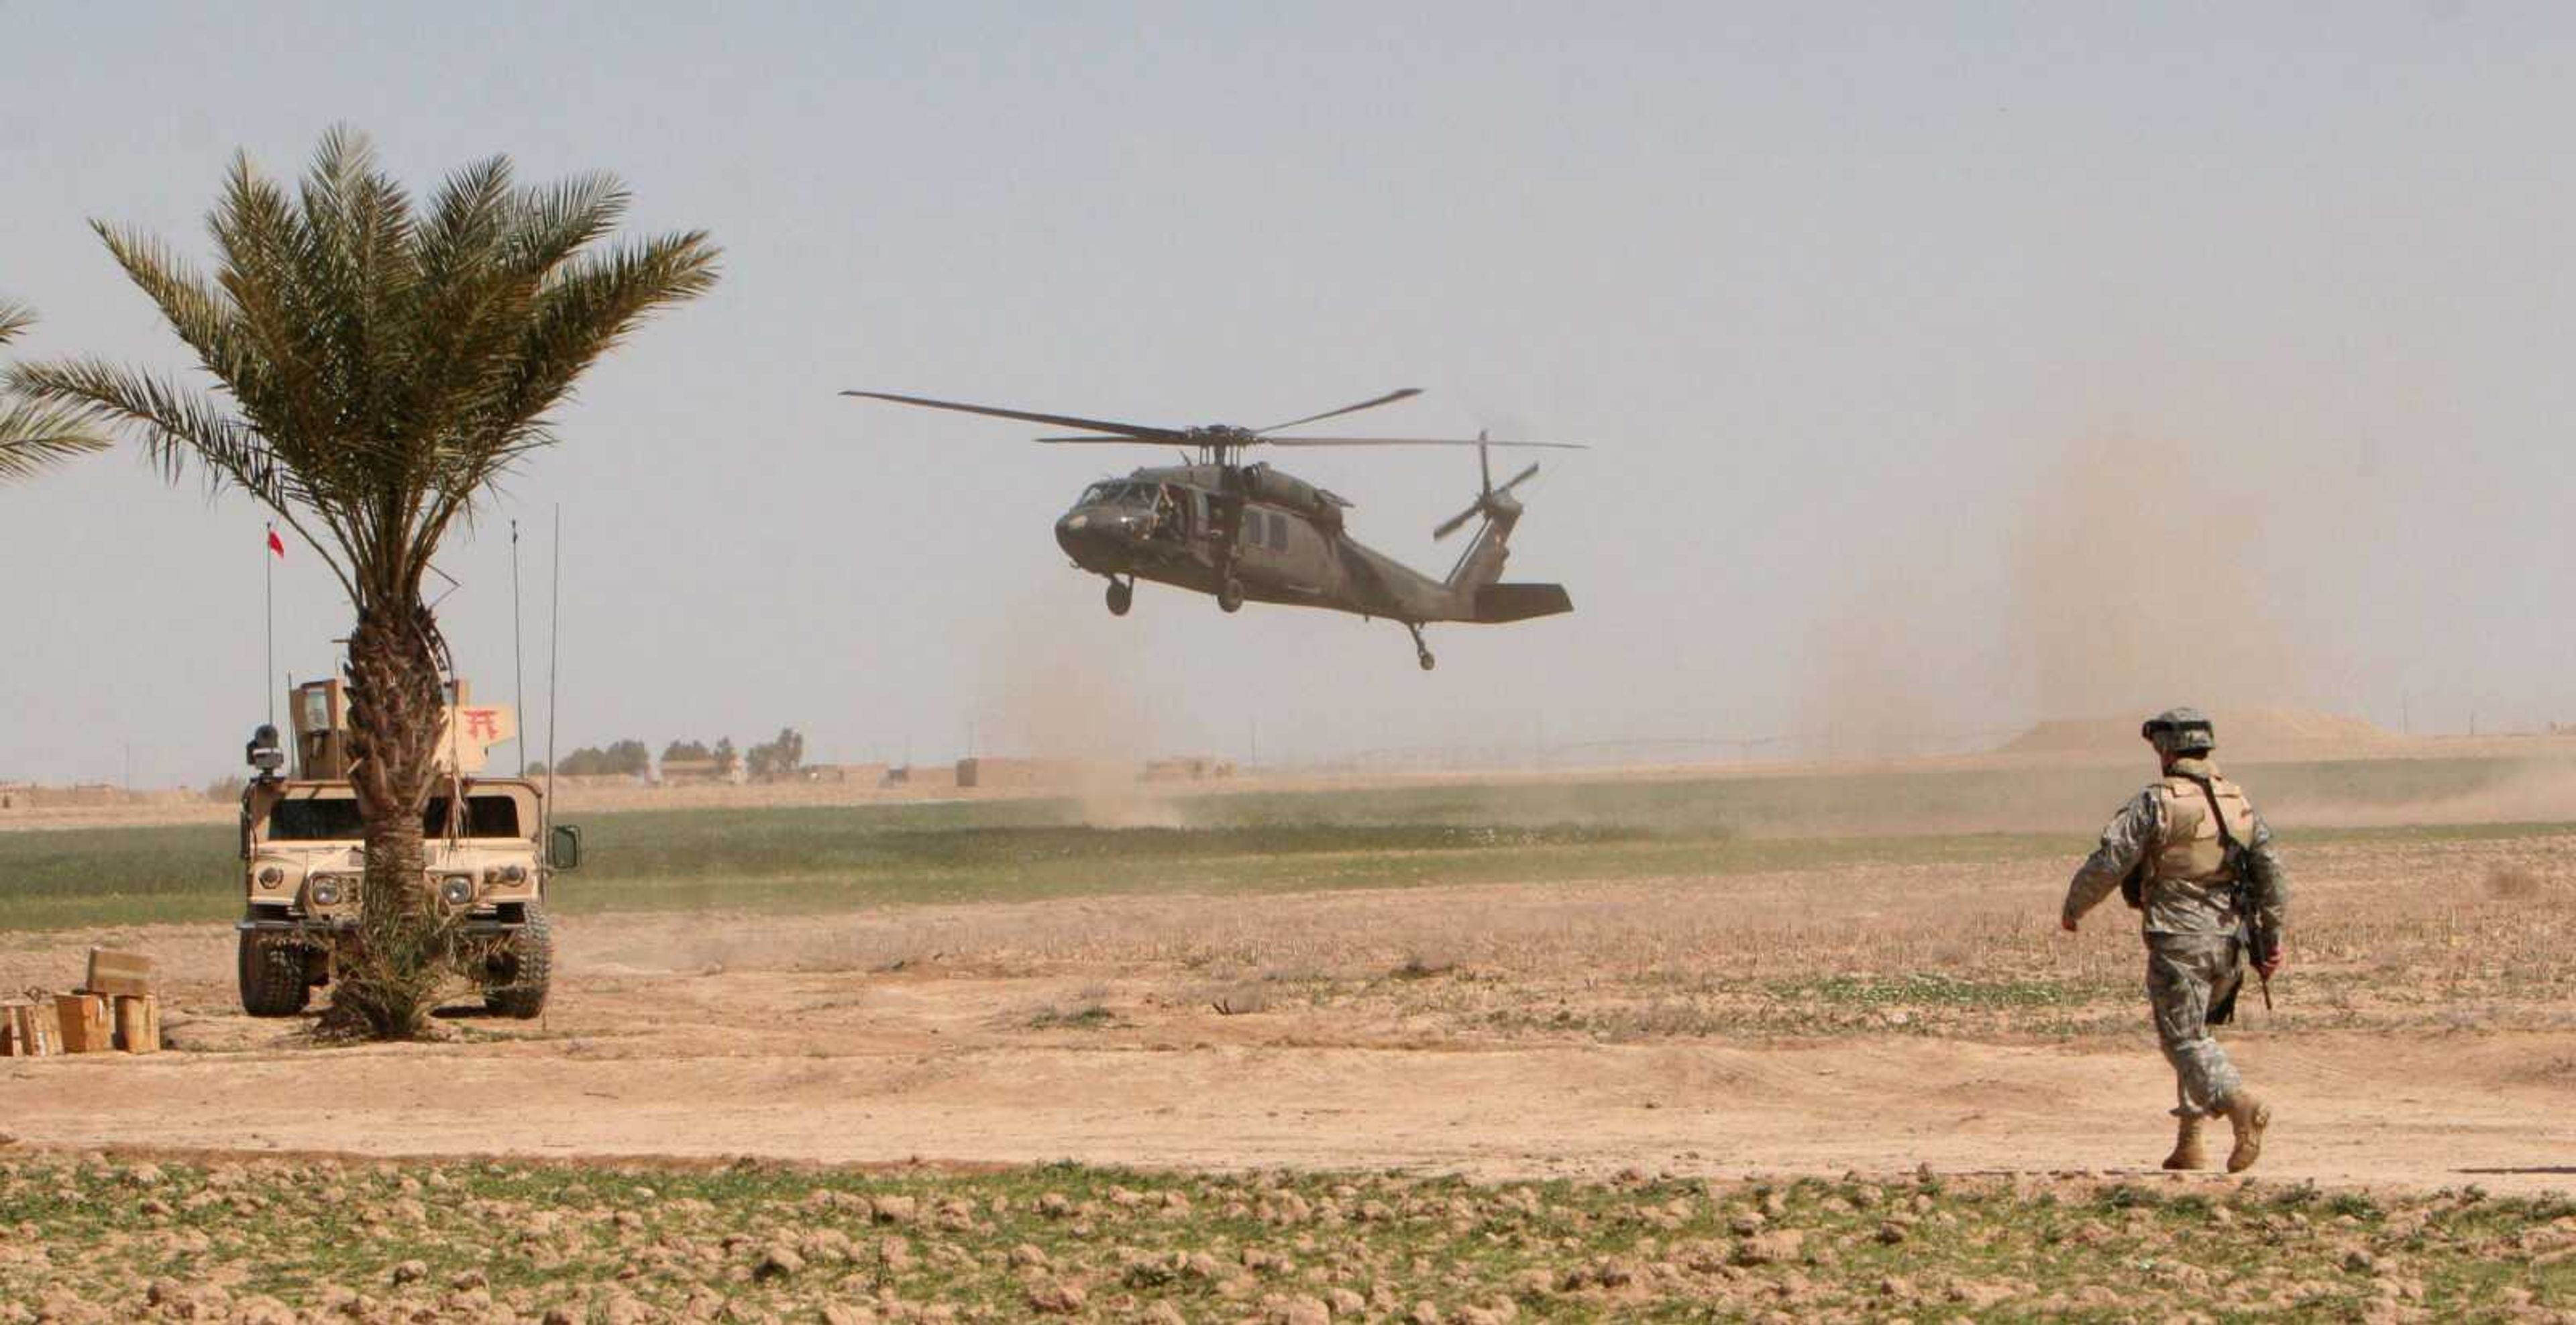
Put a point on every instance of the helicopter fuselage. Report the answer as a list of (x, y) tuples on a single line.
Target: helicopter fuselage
[(1251, 533), (1280, 540)]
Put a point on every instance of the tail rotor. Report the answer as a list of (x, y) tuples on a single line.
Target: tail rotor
[(1490, 500)]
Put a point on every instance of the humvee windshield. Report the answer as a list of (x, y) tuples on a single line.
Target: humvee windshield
[(335, 818)]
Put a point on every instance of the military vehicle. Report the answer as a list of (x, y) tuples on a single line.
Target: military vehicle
[(490, 855), (1254, 533)]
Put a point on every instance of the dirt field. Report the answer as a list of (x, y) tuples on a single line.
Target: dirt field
[(1874, 1018)]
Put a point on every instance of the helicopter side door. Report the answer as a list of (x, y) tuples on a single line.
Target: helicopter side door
[(1280, 548), (1252, 537)]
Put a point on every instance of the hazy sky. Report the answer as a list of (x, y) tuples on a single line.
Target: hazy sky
[(1947, 366)]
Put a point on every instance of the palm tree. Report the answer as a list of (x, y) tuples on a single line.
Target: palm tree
[(34, 436), (377, 369)]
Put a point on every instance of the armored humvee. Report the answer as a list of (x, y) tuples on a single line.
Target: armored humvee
[(489, 850)]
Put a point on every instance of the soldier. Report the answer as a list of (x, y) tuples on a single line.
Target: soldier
[(2192, 855)]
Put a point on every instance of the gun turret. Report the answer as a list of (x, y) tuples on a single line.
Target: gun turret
[(262, 754), (320, 710)]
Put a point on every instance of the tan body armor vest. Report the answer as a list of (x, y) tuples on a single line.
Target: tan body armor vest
[(2192, 850)]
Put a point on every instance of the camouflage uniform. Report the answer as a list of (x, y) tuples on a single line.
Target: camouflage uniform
[(2193, 934)]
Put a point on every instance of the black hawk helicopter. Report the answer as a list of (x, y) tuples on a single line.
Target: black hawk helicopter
[(1251, 533)]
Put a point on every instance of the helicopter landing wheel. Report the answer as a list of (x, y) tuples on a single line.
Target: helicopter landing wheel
[(1421, 651), (1122, 595), (1229, 596), (1428, 662)]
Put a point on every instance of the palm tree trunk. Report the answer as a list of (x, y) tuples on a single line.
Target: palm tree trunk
[(389, 977)]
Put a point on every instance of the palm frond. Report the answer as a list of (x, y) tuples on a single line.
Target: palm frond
[(591, 307), (35, 436), (177, 424), (198, 311), (586, 309), (356, 268), (561, 219), (378, 367), (279, 380)]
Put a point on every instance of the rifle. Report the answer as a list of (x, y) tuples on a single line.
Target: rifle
[(2261, 942)]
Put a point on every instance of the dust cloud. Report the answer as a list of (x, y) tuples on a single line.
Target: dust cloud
[(2138, 582), (2125, 576), (1082, 711)]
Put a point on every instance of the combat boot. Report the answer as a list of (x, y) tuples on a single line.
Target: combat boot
[(2187, 1151), (2249, 1115)]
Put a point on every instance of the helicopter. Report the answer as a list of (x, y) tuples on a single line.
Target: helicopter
[(1253, 533)]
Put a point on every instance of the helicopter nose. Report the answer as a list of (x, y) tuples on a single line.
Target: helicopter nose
[(1090, 533)]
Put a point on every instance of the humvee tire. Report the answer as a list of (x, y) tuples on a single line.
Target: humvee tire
[(518, 987), (272, 977)]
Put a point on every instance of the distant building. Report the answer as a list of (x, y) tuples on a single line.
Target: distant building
[(864, 775), (1190, 768), (985, 773), (701, 772)]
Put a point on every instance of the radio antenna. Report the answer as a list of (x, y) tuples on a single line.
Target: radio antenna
[(554, 660), (269, 552), (518, 650)]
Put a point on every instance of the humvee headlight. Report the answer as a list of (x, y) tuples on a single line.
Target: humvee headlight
[(326, 892), (456, 889), (505, 874), (271, 877)]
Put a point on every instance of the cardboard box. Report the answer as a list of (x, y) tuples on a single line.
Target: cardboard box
[(88, 1025), (30, 1030), (138, 1024), (118, 973)]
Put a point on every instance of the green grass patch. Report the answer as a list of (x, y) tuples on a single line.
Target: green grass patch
[(464, 1239), (826, 858), (1931, 990)]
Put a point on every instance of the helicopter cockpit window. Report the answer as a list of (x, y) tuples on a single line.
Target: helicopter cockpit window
[(1117, 493)]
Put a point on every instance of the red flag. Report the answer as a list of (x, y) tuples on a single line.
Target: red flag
[(276, 544)]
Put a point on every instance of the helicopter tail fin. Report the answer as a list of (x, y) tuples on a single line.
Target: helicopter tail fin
[(1500, 603)]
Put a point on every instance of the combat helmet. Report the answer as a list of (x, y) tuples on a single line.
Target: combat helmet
[(2181, 731)]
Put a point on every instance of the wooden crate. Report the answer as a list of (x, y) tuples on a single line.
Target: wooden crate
[(138, 1024), (30, 1030), (87, 1024), (115, 973)]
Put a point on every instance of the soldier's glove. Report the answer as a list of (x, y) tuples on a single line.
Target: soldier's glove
[(2269, 966)]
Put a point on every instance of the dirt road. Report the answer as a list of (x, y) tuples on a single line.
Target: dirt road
[(1088, 1030)]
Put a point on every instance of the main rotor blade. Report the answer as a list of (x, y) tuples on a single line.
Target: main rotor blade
[(1107, 441), (1132, 431), (1517, 479), (1416, 441), (1402, 393)]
